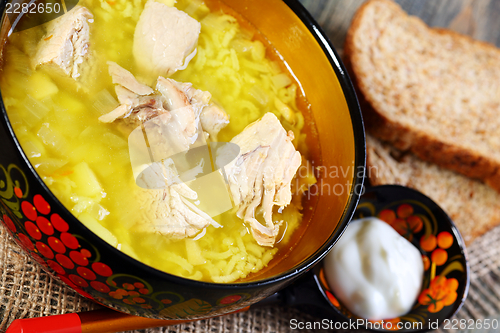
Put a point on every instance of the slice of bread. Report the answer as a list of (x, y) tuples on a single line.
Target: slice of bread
[(431, 91), (472, 205)]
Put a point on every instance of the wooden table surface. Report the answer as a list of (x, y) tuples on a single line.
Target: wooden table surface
[(476, 18)]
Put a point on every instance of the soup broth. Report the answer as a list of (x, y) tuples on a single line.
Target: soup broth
[(86, 163)]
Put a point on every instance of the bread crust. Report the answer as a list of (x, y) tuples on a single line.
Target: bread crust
[(427, 146), (473, 206)]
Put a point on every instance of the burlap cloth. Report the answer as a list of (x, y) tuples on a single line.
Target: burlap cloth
[(27, 291)]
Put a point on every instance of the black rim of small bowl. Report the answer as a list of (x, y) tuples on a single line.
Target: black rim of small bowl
[(453, 229), (360, 158)]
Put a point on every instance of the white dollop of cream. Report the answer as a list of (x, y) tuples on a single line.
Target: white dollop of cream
[(376, 273)]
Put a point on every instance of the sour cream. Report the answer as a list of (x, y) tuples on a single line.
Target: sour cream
[(376, 273)]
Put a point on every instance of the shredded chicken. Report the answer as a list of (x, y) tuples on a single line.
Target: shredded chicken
[(260, 176), (186, 105), (124, 78), (165, 39), (65, 46), (213, 119), (170, 213), (182, 112)]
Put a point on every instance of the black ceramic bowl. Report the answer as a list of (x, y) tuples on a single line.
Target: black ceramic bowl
[(53, 237), (446, 269)]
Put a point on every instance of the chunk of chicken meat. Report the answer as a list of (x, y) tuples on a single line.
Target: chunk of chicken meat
[(182, 113), (165, 39), (65, 46), (213, 118), (138, 103), (177, 100), (261, 174), (168, 212)]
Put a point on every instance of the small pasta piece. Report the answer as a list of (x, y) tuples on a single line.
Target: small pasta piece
[(218, 255), (285, 111), (255, 249), (230, 265), (198, 275), (268, 256), (228, 37), (254, 66), (281, 80), (176, 259), (300, 121), (241, 245), (234, 60), (258, 51)]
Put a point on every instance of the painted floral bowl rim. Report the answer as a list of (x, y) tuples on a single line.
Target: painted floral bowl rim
[(382, 199)]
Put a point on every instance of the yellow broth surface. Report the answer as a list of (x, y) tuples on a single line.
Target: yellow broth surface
[(86, 163)]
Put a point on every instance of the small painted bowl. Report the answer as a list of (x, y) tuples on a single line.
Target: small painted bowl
[(72, 253), (446, 270)]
